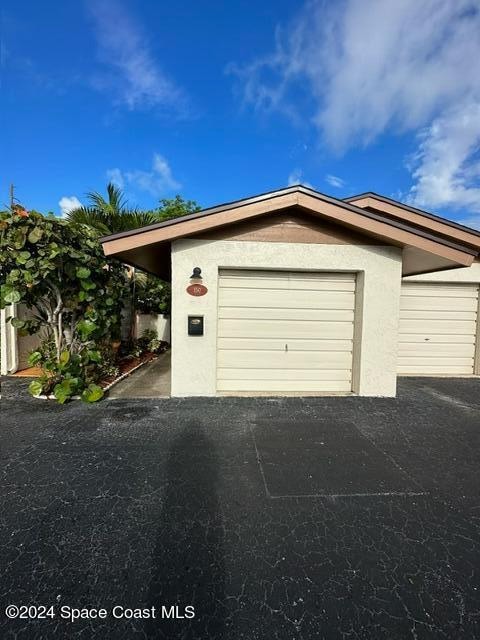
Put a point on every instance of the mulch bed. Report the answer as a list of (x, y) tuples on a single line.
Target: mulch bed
[(126, 365)]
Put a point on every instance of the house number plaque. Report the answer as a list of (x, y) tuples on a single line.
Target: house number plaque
[(197, 290)]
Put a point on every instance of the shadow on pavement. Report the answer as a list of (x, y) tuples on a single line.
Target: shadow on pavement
[(188, 559)]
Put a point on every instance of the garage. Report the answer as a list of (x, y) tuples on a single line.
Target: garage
[(438, 328), (281, 332), (295, 292)]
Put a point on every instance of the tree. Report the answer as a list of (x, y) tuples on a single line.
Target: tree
[(148, 293), (152, 295), (58, 270), (112, 215), (174, 208)]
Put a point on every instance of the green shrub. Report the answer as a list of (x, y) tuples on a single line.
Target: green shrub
[(149, 341), (67, 376), (59, 271), (152, 295)]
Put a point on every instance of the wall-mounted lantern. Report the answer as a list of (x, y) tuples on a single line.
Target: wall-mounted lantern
[(197, 274), (196, 287)]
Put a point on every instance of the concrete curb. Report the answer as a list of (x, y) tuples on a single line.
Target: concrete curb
[(127, 373)]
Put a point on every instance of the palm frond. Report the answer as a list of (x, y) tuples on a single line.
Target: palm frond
[(141, 279), (112, 215), (90, 217), (97, 201), (116, 198)]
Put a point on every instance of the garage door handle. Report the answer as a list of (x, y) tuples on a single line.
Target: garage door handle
[(286, 347)]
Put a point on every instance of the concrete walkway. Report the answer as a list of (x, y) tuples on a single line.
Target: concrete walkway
[(150, 381)]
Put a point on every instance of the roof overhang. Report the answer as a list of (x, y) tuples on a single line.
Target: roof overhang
[(400, 211), (423, 250)]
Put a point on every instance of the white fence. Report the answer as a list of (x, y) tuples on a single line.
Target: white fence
[(155, 321)]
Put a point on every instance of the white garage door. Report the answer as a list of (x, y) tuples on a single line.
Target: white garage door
[(438, 324), (281, 332)]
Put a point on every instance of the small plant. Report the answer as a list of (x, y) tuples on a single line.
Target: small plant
[(136, 350), (149, 341), (109, 370), (108, 367), (70, 375), (154, 345)]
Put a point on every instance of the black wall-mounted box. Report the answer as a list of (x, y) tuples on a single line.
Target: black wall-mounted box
[(195, 325)]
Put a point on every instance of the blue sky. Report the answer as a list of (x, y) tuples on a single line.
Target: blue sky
[(223, 100)]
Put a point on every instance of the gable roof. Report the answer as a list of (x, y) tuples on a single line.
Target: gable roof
[(375, 202), (143, 247)]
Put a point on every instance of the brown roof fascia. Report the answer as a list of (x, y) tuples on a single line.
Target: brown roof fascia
[(203, 212), (388, 206), (194, 223), (402, 233), (338, 210)]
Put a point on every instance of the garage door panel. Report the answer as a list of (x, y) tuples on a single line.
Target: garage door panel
[(274, 344), (288, 284), (434, 349), (286, 330), (266, 275), (422, 303), (437, 331), (435, 290), (284, 374), (454, 314), (445, 327), (284, 360), (433, 370), (436, 338), (283, 386), (439, 361), (285, 299), (261, 312)]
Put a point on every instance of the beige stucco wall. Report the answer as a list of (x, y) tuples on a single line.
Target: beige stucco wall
[(464, 274), (378, 295)]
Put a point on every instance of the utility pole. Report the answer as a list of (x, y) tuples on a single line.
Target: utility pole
[(12, 195)]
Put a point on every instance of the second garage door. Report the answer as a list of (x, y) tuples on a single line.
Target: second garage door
[(438, 326), (281, 332)]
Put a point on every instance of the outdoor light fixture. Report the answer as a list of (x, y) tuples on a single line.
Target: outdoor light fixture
[(196, 275)]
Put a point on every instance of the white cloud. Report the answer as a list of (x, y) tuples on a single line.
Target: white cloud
[(369, 64), (158, 181), (67, 203), (116, 177), (334, 181), (446, 167), (359, 68), (134, 76), (296, 177)]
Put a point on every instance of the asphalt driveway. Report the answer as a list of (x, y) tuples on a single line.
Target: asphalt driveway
[(273, 518)]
